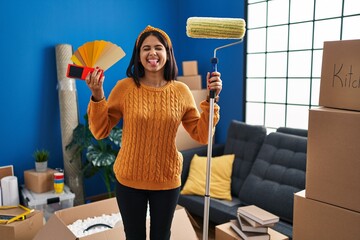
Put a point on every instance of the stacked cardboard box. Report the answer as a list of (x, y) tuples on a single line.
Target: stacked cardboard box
[(191, 75), (39, 182), (315, 219), (191, 78), (6, 171), (332, 193)]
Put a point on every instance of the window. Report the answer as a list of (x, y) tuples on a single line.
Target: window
[(284, 54)]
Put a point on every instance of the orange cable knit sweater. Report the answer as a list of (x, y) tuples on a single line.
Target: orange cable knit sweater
[(148, 158)]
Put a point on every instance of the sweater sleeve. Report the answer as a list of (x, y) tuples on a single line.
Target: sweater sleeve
[(195, 123), (106, 114)]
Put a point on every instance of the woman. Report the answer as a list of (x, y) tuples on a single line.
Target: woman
[(152, 105)]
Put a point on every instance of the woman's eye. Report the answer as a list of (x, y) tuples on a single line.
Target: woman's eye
[(156, 48)]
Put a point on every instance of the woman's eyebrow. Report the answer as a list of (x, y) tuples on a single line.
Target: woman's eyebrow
[(157, 45)]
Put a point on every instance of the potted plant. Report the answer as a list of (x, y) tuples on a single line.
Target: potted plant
[(41, 159), (98, 155)]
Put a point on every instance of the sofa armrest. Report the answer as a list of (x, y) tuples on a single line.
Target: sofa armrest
[(217, 150)]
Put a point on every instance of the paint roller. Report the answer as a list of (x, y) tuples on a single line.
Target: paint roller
[(213, 28), (216, 28)]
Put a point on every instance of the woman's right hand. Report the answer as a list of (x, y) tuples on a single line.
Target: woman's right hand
[(95, 83)]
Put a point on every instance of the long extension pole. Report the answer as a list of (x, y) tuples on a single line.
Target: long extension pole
[(208, 171), (214, 62)]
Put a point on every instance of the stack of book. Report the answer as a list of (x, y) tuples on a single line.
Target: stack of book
[(252, 223)]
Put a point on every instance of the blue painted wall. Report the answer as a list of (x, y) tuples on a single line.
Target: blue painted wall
[(30, 30)]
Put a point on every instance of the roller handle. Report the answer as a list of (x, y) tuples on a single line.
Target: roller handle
[(214, 62)]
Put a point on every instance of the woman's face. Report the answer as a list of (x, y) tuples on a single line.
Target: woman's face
[(153, 54)]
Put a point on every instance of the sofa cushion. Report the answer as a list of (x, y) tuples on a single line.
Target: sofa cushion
[(220, 177), (278, 172), (244, 140), (217, 150)]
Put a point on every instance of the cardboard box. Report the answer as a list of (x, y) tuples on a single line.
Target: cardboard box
[(39, 182), (193, 82), (22, 230), (340, 75), (183, 139), (6, 171), (57, 228), (48, 202), (199, 96), (181, 227), (333, 164), (225, 232), (190, 68), (317, 220)]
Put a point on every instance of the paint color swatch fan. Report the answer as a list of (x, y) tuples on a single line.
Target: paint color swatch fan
[(99, 53)]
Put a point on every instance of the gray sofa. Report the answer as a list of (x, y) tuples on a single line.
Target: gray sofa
[(268, 169)]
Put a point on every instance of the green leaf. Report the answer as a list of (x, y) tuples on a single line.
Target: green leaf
[(41, 155), (89, 170), (115, 136), (82, 138), (100, 154), (100, 158)]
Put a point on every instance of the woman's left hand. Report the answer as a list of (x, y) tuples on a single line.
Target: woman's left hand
[(214, 82)]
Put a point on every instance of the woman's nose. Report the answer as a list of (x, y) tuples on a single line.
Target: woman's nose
[(153, 52)]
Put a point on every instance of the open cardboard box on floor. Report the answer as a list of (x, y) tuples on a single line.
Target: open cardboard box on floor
[(56, 227)]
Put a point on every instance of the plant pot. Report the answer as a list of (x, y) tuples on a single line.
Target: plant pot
[(41, 166)]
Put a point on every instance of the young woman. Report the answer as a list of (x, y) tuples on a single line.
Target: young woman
[(152, 105)]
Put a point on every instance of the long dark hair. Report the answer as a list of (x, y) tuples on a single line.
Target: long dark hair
[(135, 69)]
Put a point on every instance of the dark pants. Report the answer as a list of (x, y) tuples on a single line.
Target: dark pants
[(133, 207)]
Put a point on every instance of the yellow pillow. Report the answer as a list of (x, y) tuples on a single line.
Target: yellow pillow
[(220, 178)]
